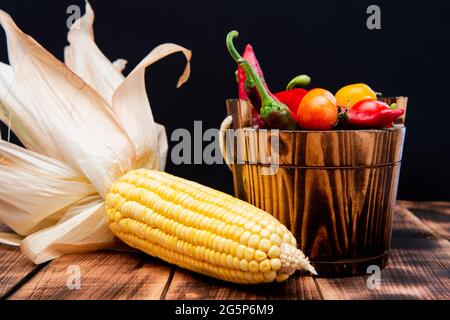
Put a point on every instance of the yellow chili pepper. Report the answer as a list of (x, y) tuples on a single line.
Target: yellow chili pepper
[(349, 95)]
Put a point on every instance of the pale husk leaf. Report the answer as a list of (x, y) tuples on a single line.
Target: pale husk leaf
[(36, 188), (120, 65), (132, 107), (163, 146), (73, 117), (84, 58), (10, 239), (14, 113), (86, 229)]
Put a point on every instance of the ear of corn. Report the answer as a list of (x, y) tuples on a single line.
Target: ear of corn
[(201, 229)]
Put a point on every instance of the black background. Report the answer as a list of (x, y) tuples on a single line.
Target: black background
[(328, 40)]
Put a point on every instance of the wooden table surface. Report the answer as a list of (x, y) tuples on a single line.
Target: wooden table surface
[(419, 268)]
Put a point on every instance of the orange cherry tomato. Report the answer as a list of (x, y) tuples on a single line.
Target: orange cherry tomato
[(317, 110), (350, 95)]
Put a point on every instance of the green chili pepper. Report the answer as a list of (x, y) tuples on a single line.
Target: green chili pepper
[(274, 114)]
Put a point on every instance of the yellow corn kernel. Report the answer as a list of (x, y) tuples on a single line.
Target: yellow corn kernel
[(254, 241), (293, 241), (264, 266), (238, 233), (253, 266), (240, 251), (275, 264), (256, 229), (249, 225), (271, 228), (236, 263), (229, 261), (281, 277), (264, 245), (243, 265), (265, 234), (249, 254), (245, 237), (258, 277), (275, 239), (223, 259), (233, 248), (270, 276), (227, 245), (248, 276), (260, 255), (274, 252)]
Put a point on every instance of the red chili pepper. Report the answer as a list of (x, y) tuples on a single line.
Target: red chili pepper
[(247, 84), (256, 119), (274, 113), (371, 114), (241, 86), (292, 98), (247, 88)]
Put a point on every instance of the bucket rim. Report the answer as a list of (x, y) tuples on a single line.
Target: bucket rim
[(392, 129)]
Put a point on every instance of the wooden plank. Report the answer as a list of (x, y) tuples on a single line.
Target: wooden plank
[(407, 225), (436, 215), (424, 204), (14, 267), (187, 285), (418, 268), (103, 275)]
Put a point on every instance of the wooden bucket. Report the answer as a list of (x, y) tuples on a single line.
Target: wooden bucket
[(335, 190)]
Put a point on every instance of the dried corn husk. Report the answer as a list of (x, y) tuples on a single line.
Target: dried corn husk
[(84, 125)]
